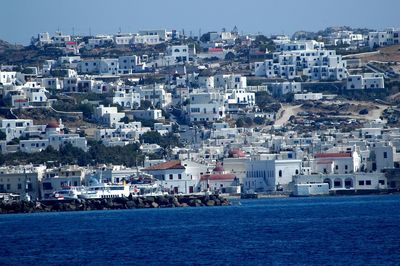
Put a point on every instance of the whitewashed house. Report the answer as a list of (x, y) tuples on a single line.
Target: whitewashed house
[(108, 115), (178, 177), (206, 107), (365, 81), (270, 175)]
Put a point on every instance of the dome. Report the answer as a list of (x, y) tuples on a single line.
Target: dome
[(236, 153), (218, 168)]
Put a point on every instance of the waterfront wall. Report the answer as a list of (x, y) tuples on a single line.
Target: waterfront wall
[(112, 204)]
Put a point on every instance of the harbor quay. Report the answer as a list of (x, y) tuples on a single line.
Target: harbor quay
[(168, 201)]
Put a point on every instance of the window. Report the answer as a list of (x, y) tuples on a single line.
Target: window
[(346, 167), (361, 183), (8, 186), (179, 176), (385, 155), (368, 182), (19, 186), (171, 176), (381, 182), (280, 173)]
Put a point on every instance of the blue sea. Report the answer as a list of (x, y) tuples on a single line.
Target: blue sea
[(357, 230)]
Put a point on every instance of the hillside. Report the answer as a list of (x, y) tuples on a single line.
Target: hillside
[(386, 54)]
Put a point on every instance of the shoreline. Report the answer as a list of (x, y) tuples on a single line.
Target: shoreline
[(339, 193), (170, 201), (152, 202)]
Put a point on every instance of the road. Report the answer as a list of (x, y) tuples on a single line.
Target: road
[(285, 113)]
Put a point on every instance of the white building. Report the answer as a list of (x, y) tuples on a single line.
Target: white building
[(147, 39), (177, 54), (389, 36), (270, 175), (299, 45), (123, 40), (156, 94), (270, 69), (317, 64), (122, 132), (337, 163), (240, 99), (382, 156), (60, 39), (108, 115), (206, 106), (308, 96), (8, 77), (161, 33), (108, 66), (52, 83), (230, 81), (15, 128), (178, 177), (365, 81), (127, 98), (100, 40), (43, 39), (346, 182), (282, 88), (22, 178), (149, 114), (129, 64), (61, 177)]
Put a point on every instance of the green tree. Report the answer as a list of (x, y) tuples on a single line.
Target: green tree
[(263, 99), (248, 121), (239, 122), (259, 120)]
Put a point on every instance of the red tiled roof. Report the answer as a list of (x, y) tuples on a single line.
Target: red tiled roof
[(174, 164), (53, 124), (236, 152), (334, 155), (71, 43), (218, 177), (20, 101), (215, 50)]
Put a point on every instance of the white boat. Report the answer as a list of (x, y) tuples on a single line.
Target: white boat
[(146, 189), (67, 193), (105, 191)]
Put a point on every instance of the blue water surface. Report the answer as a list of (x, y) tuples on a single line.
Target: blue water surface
[(361, 230)]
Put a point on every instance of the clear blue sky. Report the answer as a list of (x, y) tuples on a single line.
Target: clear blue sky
[(21, 19)]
